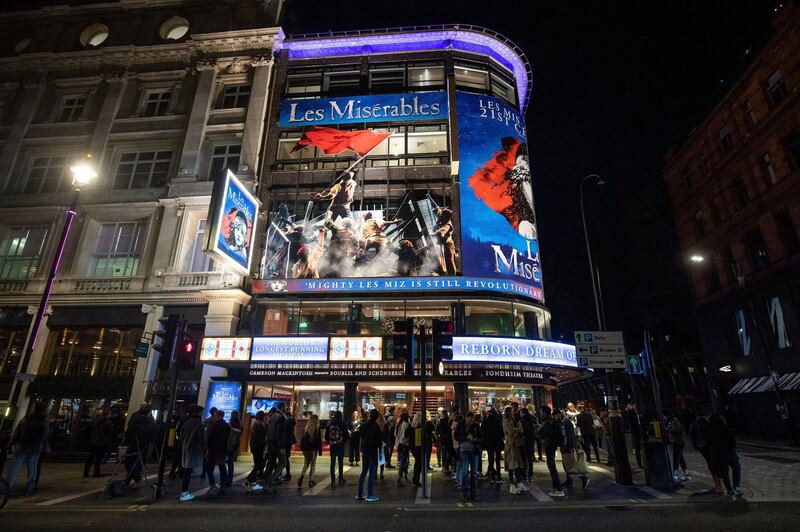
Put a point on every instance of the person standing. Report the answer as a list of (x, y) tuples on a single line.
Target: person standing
[(193, 448), (139, 437), (588, 438), (276, 436), (677, 437), (258, 443), (101, 437), (471, 437), (514, 447), (234, 438), (634, 422), (176, 457), (569, 452), (288, 440), (218, 435), (552, 436), (444, 440), (457, 429), (390, 423), (384, 427), (336, 436), (311, 446), (493, 441), (26, 443), (722, 447), (529, 430), (608, 443), (699, 436), (355, 436), (371, 443), (403, 435)]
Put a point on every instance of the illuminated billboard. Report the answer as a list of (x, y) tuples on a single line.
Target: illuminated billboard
[(232, 219), (499, 239), (225, 349), (225, 396), (289, 349), (489, 350), (356, 348)]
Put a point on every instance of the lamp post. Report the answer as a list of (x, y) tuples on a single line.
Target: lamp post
[(622, 468), (740, 278), (82, 174)]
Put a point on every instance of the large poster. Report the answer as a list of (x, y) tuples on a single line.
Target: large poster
[(498, 224), (233, 214), (225, 396)]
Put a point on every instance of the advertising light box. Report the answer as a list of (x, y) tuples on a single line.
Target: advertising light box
[(232, 219), (225, 349), (225, 396), (499, 238), (488, 350), (356, 348), (289, 349)]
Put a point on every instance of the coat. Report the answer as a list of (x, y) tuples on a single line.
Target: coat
[(193, 443), (493, 431), (218, 442), (371, 439), (515, 443)]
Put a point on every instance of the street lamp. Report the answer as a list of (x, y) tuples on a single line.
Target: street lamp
[(598, 303), (83, 173), (740, 277)]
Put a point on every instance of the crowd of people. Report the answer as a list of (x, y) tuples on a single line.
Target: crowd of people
[(504, 437)]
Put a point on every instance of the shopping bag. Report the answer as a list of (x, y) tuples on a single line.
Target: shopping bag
[(580, 459), (381, 458), (570, 463)]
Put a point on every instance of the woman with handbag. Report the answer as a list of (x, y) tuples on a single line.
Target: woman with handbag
[(514, 447), (311, 446), (571, 453)]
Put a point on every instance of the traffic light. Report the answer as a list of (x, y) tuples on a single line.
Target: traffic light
[(167, 333), (187, 353), (403, 345), (442, 340)]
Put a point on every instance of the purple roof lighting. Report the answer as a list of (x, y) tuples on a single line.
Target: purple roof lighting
[(466, 38)]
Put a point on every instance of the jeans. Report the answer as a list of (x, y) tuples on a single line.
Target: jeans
[(258, 463), (337, 454), (469, 473), (587, 442), (275, 465), (538, 443), (96, 454), (731, 461), (402, 461), (230, 460), (31, 461), (528, 459), (551, 466), (223, 473), (677, 456), (369, 466), (420, 462)]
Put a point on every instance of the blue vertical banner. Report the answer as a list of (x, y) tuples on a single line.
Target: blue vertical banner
[(499, 238), (225, 396), (231, 231)]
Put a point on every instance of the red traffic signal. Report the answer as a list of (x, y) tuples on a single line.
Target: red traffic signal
[(187, 353)]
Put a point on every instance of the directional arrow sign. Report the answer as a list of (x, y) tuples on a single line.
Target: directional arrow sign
[(599, 337), (606, 350), (601, 362)]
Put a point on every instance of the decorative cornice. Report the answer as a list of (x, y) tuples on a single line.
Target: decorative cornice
[(205, 64), (115, 75), (261, 61), (236, 66)]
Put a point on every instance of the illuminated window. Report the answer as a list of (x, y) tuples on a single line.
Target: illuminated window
[(91, 351), (502, 89), (387, 78), (118, 250), (174, 29), (342, 80), (471, 78), (780, 336), (745, 345), (94, 35), (426, 76), (304, 82), (20, 251), (200, 261), (142, 169)]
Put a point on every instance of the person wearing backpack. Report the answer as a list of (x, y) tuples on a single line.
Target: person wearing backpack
[(403, 436), (336, 436), (26, 442), (552, 436), (311, 446)]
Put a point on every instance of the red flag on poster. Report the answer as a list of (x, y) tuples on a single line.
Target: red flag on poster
[(333, 141)]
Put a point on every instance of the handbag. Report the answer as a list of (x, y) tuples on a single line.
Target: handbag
[(580, 458), (570, 463), (381, 457)]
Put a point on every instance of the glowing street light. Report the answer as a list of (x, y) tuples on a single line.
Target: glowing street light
[(82, 173), (697, 258)]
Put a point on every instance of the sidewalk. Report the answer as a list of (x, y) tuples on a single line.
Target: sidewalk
[(765, 442)]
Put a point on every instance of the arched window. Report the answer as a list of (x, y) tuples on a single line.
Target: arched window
[(94, 35), (174, 29)]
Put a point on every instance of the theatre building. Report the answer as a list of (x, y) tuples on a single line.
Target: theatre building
[(396, 184)]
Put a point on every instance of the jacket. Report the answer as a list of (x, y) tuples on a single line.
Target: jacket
[(677, 433), (371, 438), (699, 433), (141, 428), (585, 423), (309, 443), (258, 434), (443, 433), (29, 434), (102, 432), (721, 441), (472, 437), (193, 443), (529, 429), (570, 442), (493, 431), (218, 442), (401, 438), (551, 433), (515, 442), (342, 432), (288, 432)]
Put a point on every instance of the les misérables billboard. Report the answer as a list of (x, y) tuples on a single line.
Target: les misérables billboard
[(498, 223)]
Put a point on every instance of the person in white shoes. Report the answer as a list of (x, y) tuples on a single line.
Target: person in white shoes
[(193, 448), (514, 447)]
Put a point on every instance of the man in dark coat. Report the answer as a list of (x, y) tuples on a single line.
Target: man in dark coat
[(493, 443), (139, 438), (371, 442), (101, 437)]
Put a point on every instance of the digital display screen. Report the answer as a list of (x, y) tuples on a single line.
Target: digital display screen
[(225, 349), (289, 349), (356, 348), (490, 350)]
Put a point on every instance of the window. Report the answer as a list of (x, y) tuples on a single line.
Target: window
[(342, 80), (94, 35), (776, 87), (725, 139), (304, 82), (425, 76), (72, 108), (740, 192), (688, 178), (235, 96), (699, 226), (780, 336), (118, 250), (91, 351), (749, 114), (757, 249), (471, 78), (745, 345), (200, 261), (793, 147), (426, 139), (174, 29), (224, 158), (157, 102), (47, 174), (20, 251), (788, 232), (502, 88), (145, 169), (767, 169), (387, 77)]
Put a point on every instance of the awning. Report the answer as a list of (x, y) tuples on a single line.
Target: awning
[(788, 381)]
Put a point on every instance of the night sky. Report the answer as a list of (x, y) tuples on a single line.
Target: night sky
[(615, 85)]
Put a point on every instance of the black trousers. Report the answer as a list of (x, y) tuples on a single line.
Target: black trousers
[(96, 454), (494, 462), (587, 442), (259, 460)]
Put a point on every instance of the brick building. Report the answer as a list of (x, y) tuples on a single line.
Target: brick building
[(735, 193)]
